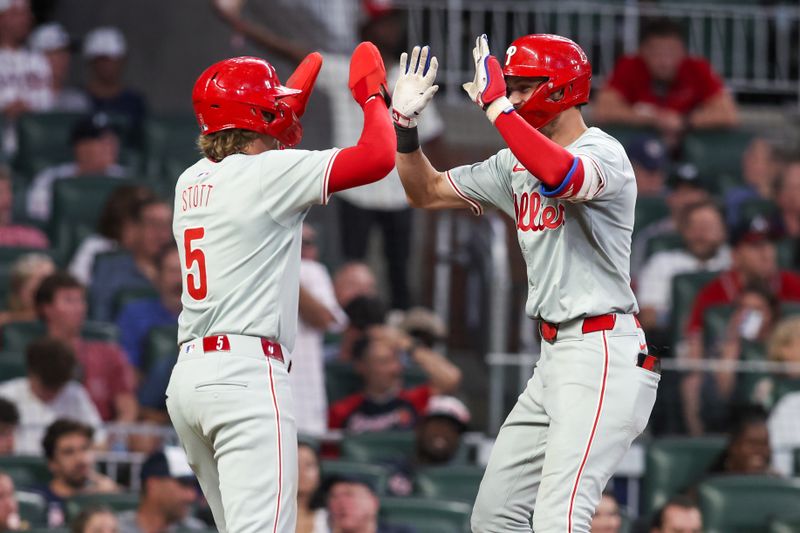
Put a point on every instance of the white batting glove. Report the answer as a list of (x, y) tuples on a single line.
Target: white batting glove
[(414, 88), (488, 88)]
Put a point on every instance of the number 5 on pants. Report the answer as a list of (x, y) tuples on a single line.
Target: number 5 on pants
[(197, 290)]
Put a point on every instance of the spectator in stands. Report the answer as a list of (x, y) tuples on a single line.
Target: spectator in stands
[(353, 507), (438, 439), (788, 201), (783, 347), (319, 313), (352, 280), (704, 249), (53, 41), (384, 403), (754, 314), (748, 451), (137, 268), (9, 422), (115, 229), (381, 205), (95, 148), (679, 515), (784, 433), (27, 273), (311, 517), (95, 520), (167, 495), (24, 75), (106, 372), (665, 88), (606, 517), (105, 50), (648, 156), (48, 393), (760, 168), (685, 187), (67, 447), (362, 312), (423, 325), (11, 234), (140, 316), (9, 506)]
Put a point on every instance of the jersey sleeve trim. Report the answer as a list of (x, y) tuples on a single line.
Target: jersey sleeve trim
[(476, 208), (562, 191), (327, 178)]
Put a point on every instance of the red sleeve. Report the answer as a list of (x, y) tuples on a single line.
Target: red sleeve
[(625, 77), (339, 412), (790, 286), (373, 157), (708, 82), (551, 163), (418, 397)]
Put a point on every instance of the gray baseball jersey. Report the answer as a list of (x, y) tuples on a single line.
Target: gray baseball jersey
[(238, 224), (576, 245)]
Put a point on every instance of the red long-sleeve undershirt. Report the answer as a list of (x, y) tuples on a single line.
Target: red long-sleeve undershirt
[(372, 158), (548, 161)]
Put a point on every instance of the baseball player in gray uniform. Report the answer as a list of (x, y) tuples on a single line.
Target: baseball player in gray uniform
[(238, 218), (571, 191)]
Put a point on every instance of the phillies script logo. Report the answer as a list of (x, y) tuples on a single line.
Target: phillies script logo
[(532, 217)]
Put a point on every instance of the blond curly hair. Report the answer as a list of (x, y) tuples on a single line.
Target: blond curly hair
[(219, 145)]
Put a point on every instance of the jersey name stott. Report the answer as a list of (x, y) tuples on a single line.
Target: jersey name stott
[(197, 195), (531, 217)]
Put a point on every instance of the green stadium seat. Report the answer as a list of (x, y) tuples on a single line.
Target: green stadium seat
[(171, 139), (117, 502), (43, 140), (376, 475), (341, 379), (77, 203), (788, 524), (715, 323), (649, 210), (427, 515), (126, 296), (12, 365), (161, 343), (788, 253), (378, 446), (17, 335), (716, 152), (28, 472), (626, 134), (32, 508), (784, 386), (745, 504), (673, 464), (663, 243), (684, 290), (458, 483)]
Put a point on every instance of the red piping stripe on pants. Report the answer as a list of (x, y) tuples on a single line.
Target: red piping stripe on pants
[(280, 451), (591, 436)]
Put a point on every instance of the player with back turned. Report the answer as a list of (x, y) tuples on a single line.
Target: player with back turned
[(571, 191), (238, 219)]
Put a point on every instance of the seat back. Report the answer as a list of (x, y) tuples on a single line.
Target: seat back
[(745, 504), (458, 483), (375, 475), (378, 446), (117, 502), (27, 471), (161, 343), (424, 514)]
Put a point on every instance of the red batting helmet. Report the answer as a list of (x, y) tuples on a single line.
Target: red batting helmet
[(245, 93), (558, 59)]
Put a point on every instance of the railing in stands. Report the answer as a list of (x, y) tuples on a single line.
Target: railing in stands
[(753, 47)]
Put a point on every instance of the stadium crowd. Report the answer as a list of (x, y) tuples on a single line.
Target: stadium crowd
[(92, 285)]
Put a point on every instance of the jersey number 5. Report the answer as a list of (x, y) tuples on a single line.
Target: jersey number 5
[(197, 288)]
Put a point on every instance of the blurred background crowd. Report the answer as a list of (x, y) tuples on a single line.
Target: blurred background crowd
[(412, 343)]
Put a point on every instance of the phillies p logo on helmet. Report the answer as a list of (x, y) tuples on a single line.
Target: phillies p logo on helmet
[(510, 52)]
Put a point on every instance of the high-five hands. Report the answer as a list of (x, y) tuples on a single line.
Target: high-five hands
[(414, 87), (489, 86)]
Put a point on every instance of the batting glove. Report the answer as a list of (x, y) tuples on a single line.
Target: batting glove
[(414, 87), (488, 88)]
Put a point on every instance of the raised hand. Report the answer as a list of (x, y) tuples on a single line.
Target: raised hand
[(414, 87)]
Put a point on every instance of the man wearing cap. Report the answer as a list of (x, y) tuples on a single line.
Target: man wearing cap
[(24, 75), (53, 41), (685, 187), (105, 50), (95, 147), (754, 262), (648, 157), (168, 491), (353, 507)]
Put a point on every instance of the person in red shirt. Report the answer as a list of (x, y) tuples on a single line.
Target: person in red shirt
[(384, 404), (754, 264), (664, 87), (106, 373)]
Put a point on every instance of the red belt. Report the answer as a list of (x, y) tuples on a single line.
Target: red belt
[(221, 343), (549, 330)]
